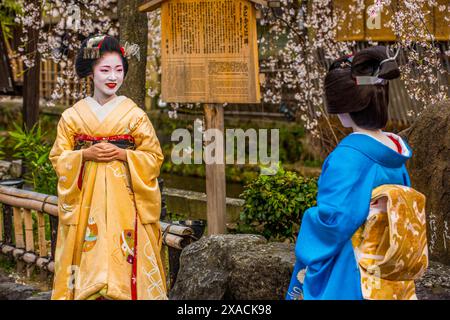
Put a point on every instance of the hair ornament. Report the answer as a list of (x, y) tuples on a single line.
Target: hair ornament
[(93, 46), (131, 49), (375, 80), (389, 58), (92, 49)]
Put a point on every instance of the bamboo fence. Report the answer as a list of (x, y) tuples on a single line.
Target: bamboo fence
[(23, 229)]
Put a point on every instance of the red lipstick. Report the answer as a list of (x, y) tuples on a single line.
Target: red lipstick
[(111, 85)]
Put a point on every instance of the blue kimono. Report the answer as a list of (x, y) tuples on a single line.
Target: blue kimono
[(324, 249)]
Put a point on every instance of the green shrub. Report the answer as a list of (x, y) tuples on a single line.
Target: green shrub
[(2, 147), (274, 204), (31, 147)]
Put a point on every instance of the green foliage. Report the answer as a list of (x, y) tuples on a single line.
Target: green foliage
[(291, 147), (31, 147), (2, 145), (8, 10), (274, 205)]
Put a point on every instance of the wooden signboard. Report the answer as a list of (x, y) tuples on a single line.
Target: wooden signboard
[(350, 27), (442, 20), (209, 51), (209, 55), (363, 27), (377, 29)]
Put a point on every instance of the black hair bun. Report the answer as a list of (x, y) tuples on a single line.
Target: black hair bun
[(342, 93), (84, 66), (367, 62)]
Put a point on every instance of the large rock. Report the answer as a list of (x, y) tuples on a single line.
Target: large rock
[(435, 283), (12, 288), (429, 169), (233, 267), (246, 267), (263, 272)]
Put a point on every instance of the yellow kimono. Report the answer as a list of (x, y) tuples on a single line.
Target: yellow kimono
[(97, 216)]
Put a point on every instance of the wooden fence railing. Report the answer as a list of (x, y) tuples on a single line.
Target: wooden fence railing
[(28, 230)]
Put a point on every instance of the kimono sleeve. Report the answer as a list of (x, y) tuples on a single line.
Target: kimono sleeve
[(68, 165), (295, 291), (144, 164), (343, 201)]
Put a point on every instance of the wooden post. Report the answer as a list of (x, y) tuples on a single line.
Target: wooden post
[(41, 235), (215, 176), (7, 223), (31, 77), (18, 235), (18, 228), (43, 252), (29, 238)]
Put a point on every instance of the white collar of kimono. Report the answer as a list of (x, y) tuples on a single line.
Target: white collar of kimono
[(405, 151), (102, 111)]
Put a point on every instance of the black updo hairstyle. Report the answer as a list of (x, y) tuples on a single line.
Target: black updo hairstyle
[(84, 66), (366, 104)]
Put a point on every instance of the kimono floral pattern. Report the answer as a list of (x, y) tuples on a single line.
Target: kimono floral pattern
[(391, 247), (104, 206)]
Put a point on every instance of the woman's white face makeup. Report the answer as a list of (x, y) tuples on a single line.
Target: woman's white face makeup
[(108, 74)]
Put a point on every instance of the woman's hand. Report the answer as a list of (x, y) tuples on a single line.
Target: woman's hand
[(104, 152)]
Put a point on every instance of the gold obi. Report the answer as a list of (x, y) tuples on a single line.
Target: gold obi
[(391, 246)]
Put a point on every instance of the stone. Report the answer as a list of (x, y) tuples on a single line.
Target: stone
[(15, 291), (246, 267), (429, 170), (41, 296), (16, 169), (4, 168), (205, 266), (261, 273), (435, 283), (12, 288)]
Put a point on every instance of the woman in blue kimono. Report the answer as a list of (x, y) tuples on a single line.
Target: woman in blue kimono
[(357, 90)]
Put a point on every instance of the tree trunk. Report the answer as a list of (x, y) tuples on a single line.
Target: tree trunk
[(133, 29), (31, 78)]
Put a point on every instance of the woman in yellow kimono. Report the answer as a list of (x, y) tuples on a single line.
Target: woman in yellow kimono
[(107, 158)]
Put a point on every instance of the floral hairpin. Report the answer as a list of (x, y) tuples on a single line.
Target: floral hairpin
[(92, 49), (131, 49)]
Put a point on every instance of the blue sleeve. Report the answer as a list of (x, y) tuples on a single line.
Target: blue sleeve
[(343, 201), (295, 291)]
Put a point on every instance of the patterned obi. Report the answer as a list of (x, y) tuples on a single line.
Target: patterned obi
[(391, 246), (83, 141)]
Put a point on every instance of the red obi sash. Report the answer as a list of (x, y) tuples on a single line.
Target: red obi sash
[(125, 141)]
